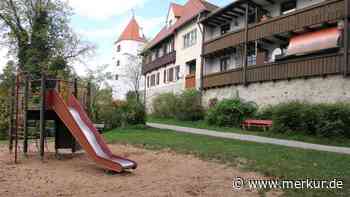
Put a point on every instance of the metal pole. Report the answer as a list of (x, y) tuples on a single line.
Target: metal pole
[(25, 118), (42, 115)]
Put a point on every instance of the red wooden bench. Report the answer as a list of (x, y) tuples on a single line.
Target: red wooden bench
[(265, 124)]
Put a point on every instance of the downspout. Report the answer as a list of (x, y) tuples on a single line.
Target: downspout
[(245, 61), (201, 86), (346, 39)]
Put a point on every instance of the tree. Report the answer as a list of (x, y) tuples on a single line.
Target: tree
[(101, 91), (132, 74), (38, 32), (7, 80)]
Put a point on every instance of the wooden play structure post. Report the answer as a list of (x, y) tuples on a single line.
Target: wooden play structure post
[(11, 121), (42, 115), (75, 93), (25, 115), (88, 95)]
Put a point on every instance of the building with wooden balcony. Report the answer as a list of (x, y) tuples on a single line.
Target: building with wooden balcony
[(172, 60), (271, 51)]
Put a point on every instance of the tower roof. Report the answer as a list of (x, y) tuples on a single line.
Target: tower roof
[(132, 32)]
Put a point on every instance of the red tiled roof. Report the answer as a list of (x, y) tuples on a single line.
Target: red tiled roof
[(190, 10), (177, 9), (132, 32)]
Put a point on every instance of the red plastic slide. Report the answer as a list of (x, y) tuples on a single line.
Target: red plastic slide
[(76, 120)]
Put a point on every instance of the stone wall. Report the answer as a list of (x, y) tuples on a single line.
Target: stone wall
[(152, 93), (316, 90)]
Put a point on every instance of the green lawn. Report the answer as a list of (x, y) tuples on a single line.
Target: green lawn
[(270, 160), (289, 136), (3, 141)]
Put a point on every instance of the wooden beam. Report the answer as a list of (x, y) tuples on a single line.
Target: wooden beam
[(25, 115), (42, 116), (11, 119), (270, 1)]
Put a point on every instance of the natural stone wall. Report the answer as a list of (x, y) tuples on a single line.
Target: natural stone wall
[(316, 90), (152, 93)]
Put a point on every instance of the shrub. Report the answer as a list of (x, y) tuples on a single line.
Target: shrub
[(295, 116), (164, 105), (326, 120), (135, 113), (230, 112), (265, 113), (189, 106), (333, 120)]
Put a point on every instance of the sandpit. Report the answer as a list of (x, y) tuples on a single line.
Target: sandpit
[(160, 173)]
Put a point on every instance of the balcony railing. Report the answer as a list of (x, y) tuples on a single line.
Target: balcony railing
[(325, 12), (290, 69), (159, 62), (191, 81)]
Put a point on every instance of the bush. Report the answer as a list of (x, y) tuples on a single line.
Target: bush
[(294, 116), (333, 120), (189, 107), (230, 112), (326, 120), (135, 113), (164, 105)]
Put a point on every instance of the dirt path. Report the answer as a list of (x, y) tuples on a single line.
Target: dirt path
[(161, 173)]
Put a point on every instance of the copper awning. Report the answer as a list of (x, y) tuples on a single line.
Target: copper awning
[(314, 41)]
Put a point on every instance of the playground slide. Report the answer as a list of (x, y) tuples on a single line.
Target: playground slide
[(77, 121)]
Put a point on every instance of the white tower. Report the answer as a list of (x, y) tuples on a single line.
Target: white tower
[(126, 51)]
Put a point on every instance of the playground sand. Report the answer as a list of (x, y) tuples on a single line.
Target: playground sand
[(160, 173)]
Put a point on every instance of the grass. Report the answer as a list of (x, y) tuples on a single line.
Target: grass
[(270, 160), (288, 136)]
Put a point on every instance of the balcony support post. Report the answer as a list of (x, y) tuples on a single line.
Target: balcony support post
[(245, 50), (346, 39)]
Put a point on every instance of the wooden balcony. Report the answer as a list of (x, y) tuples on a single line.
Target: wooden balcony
[(322, 13), (290, 69), (162, 61), (191, 81)]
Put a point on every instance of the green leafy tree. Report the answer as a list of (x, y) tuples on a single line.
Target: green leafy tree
[(38, 32), (7, 81)]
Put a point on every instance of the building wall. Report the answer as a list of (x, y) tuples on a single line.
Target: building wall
[(123, 85), (183, 55), (315, 90)]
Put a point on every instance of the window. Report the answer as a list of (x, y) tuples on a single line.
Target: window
[(224, 63), (148, 82), (289, 6), (177, 73), (119, 48), (153, 80), (225, 28), (251, 54), (171, 74), (190, 38), (118, 62), (116, 77), (158, 78), (164, 76)]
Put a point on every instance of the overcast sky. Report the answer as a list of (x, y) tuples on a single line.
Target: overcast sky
[(101, 22)]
